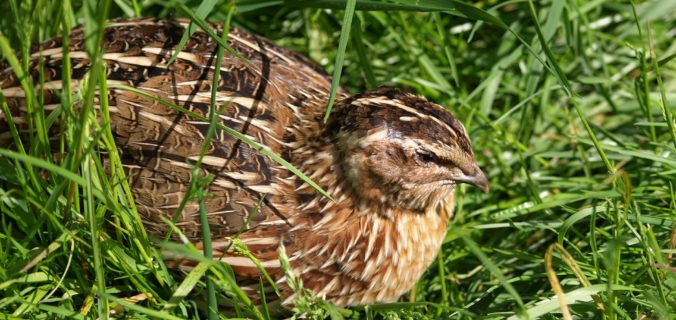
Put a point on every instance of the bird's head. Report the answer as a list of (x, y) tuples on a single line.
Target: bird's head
[(400, 150)]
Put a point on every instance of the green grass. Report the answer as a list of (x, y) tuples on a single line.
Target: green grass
[(569, 106)]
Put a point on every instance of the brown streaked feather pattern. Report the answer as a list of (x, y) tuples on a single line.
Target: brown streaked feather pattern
[(390, 159), (157, 142)]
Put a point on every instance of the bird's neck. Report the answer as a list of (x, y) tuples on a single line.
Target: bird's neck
[(361, 244)]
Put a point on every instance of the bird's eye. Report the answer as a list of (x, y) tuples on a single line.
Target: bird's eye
[(425, 156)]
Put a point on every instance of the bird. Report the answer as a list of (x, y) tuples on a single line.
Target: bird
[(389, 160)]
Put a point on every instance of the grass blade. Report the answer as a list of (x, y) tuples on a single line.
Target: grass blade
[(340, 55), (486, 261), (202, 12)]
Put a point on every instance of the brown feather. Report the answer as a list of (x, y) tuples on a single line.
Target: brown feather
[(392, 205)]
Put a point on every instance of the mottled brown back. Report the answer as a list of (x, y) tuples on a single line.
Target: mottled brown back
[(157, 143)]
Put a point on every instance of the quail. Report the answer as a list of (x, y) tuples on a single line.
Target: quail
[(389, 159)]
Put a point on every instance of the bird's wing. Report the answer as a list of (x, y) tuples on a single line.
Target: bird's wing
[(159, 144)]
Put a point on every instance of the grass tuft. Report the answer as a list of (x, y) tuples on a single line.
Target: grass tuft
[(570, 107)]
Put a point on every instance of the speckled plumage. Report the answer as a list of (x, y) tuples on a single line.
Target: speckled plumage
[(389, 159)]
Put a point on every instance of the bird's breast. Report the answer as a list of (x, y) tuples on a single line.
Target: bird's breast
[(355, 258)]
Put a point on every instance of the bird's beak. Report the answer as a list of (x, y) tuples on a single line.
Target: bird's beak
[(476, 178)]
